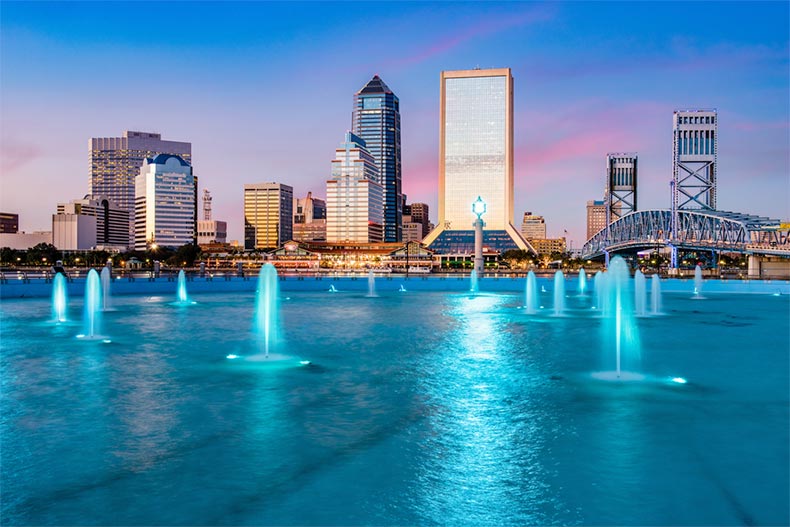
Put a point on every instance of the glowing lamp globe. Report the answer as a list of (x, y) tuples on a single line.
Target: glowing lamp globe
[(479, 207)]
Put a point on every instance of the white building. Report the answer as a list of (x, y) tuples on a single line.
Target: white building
[(475, 159), (93, 222), (212, 231), (165, 203), (354, 199), (533, 226)]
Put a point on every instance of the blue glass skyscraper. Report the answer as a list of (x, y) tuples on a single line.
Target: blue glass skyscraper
[(376, 119)]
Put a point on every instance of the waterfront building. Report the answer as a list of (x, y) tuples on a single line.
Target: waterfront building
[(376, 120), (548, 245), (309, 219), (596, 217), (115, 163), (419, 214), (621, 185), (268, 215), (533, 227), (475, 159), (354, 207), (9, 222), (165, 208), (694, 161), (93, 222)]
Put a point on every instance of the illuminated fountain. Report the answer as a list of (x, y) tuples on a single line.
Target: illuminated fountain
[(266, 312), (371, 285), (640, 294), (559, 293), (582, 281), (181, 289), (402, 289), (105, 288), (600, 291), (620, 330), (698, 282), (332, 289), (92, 317), (531, 295), (655, 294), (473, 287), (60, 297)]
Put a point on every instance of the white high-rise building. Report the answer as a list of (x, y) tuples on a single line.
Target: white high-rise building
[(165, 203), (533, 226), (694, 162), (93, 222), (354, 199), (476, 159)]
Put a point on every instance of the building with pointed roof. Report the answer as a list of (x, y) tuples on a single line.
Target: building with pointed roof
[(376, 120)]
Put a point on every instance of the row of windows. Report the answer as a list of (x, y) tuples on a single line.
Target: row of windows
[(696, 142), (706, 119)]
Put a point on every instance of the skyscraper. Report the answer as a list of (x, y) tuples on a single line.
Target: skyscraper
[(476, 159), (115, 164), (621, 185), (376, 120), (533, 227), (354, 209), (309, 219), (165, 205), (268, 215), (596, 217), (88, 223), (694, 161)]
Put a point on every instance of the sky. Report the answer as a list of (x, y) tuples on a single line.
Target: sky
[(264, 92)]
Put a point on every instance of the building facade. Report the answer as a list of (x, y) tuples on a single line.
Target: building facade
[(549, 245), (412, 230), (476, 159), (115, 163), (212, 231), (621, 185), (533, 227), (268, 215), (419, 213), (376, 120), (694, 161), (93, 222), (596, 217), (354, 198), (165, 203), (9, 223), (309, 219)]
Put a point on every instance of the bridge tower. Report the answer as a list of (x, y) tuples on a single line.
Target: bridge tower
[(694, 159), (206, 205), (620, 196)]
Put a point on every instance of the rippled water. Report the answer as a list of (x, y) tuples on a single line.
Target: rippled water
[(418, 408)]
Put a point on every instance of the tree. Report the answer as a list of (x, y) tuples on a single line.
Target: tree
[(184, 256), (43, 254)]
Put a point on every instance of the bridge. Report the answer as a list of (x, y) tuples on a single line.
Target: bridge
[(691, 230)]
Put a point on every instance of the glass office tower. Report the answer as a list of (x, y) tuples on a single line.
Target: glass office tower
[(476, 159), (376, 120)]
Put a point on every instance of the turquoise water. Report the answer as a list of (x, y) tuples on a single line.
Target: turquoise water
[(417, 408)]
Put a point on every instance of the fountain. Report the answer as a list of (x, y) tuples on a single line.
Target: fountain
[(105, 288), (620, 330), (473, 287), (559, 293), (92, 305), (600, 293), (582, 281), (655, 294), (402, 289), (371, 285), (531, 300), (181, 289), (60, 298), (266, 314), (332, 289), (640, 294), (697, 282)]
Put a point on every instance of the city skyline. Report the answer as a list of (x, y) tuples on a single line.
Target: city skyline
[(582, 90)]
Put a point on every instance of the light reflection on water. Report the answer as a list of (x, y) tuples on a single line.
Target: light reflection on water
[(425, 408)]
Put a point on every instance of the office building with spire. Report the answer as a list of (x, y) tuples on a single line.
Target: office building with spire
[(376, 120)]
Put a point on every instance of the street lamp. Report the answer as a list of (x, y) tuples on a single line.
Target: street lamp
[(479, 208)]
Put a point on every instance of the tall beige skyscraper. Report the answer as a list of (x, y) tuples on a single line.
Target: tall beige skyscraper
[(475, 159), (268, 215)]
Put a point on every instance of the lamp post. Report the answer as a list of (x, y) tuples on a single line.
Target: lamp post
[(479, 208)]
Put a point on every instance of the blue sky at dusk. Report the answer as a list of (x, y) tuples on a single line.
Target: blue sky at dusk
[(264, 91)]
